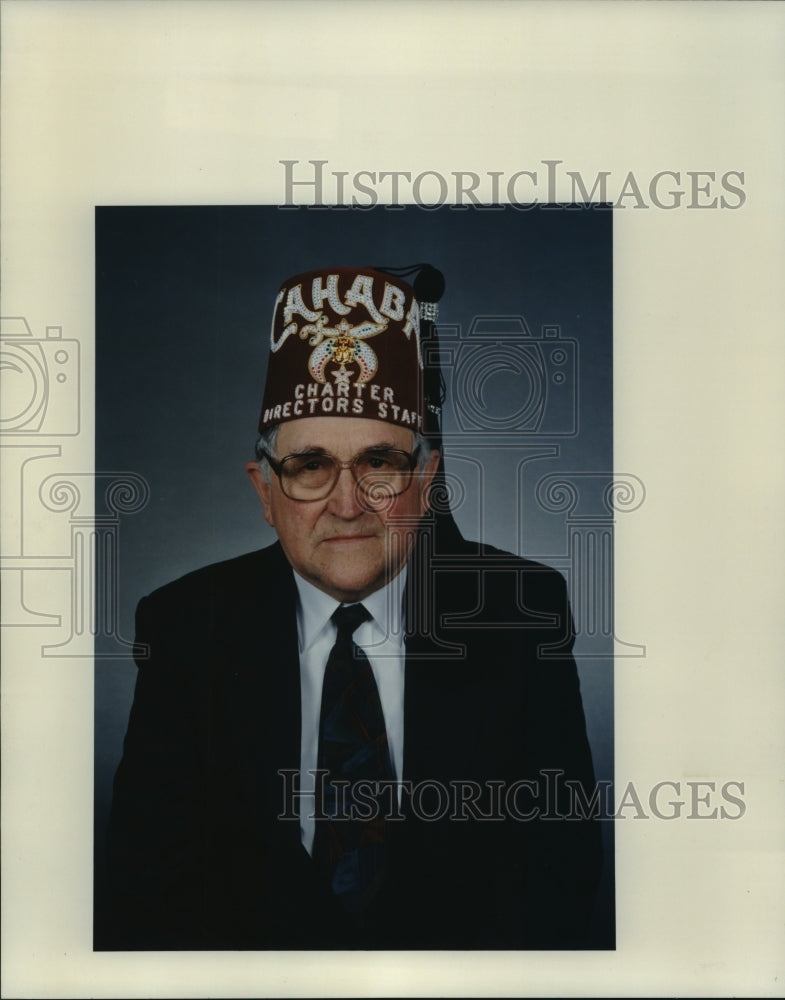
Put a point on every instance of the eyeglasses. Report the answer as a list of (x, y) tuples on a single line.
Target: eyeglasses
[(380, 474)]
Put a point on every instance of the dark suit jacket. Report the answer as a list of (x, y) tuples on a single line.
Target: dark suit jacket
[(198, 858)]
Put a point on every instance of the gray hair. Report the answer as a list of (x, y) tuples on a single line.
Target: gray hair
[(266, 443)]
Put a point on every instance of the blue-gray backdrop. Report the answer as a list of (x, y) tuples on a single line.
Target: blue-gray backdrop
[(184, 298)]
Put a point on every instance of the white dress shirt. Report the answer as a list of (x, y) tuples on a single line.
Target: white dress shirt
[(381, 639)]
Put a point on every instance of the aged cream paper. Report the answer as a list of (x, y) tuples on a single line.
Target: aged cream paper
[(198, 103)]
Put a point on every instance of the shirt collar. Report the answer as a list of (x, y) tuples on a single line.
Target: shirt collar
[(315, 609)]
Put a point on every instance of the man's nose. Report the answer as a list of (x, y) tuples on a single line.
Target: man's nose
[(344, 501)]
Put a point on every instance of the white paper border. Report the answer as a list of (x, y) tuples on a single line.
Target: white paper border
[(196, 103)]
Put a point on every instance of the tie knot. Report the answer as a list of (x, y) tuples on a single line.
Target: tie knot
[(348, 617)]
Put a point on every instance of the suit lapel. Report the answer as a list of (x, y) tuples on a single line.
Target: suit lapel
[(439, 740), (262, 658)]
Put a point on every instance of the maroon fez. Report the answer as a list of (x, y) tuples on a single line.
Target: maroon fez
[(345, 341)]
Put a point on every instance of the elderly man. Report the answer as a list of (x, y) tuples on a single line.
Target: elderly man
[(370, 734)]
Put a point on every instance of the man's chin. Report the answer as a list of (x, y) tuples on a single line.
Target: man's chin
[(351, 582)]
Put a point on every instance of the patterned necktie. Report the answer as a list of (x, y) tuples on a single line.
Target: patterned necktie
[(349, 846)]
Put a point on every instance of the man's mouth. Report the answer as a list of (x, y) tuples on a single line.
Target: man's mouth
[(357, 537)]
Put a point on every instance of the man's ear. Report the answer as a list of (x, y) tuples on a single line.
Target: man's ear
[(262, 488)]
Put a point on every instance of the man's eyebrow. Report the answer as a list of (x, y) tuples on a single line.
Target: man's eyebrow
[(309, 450), (315, 449)]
